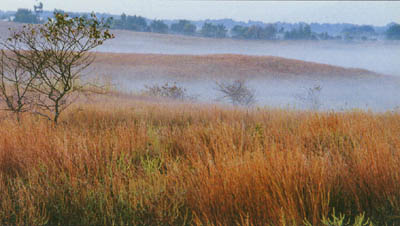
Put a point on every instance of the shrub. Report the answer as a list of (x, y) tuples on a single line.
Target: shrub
[(236, 92), (168, 91)]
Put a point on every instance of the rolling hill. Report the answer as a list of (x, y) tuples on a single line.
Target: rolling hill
[(214, 66)]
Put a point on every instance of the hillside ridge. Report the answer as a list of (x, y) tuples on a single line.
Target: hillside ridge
[(216, 65)]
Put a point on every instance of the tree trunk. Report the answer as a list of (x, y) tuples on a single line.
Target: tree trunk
[(56, 113)]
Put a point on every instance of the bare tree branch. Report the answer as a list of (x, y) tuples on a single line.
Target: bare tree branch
[(236, 92), (46, 62)]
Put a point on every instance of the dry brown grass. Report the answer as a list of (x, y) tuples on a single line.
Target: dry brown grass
[(214, 66), (141, 163)]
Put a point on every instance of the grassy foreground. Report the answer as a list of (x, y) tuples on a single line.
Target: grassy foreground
[(141, 163)]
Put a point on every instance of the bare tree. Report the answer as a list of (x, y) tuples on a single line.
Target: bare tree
[(312, 97), (236, 92), (54, 55), (15, 84)]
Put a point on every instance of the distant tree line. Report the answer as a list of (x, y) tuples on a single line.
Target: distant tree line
[(26, 16), (358, 32), (135, 23), (393, 33), (301, 31), (254, 32), (185, 27)]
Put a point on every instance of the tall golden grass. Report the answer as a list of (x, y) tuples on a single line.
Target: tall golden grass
[(123, 162)]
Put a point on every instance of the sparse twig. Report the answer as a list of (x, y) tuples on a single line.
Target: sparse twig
[(46, 62), (169, 91), (311, 97), (237, 92)]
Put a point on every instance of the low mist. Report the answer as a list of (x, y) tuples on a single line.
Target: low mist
[(375, 94), (379, 93), (378, 56)]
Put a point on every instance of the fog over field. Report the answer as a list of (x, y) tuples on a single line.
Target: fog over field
[(338, 92), (276, 82), (379, 56), (341, 95)]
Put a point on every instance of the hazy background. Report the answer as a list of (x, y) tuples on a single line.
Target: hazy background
[(381, 93), (382, 57), (358, 12)]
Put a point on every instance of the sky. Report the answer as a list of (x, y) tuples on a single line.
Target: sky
[(358, 12)]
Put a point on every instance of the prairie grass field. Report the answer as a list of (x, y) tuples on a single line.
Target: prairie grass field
[(126, 160), (160, 129)]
